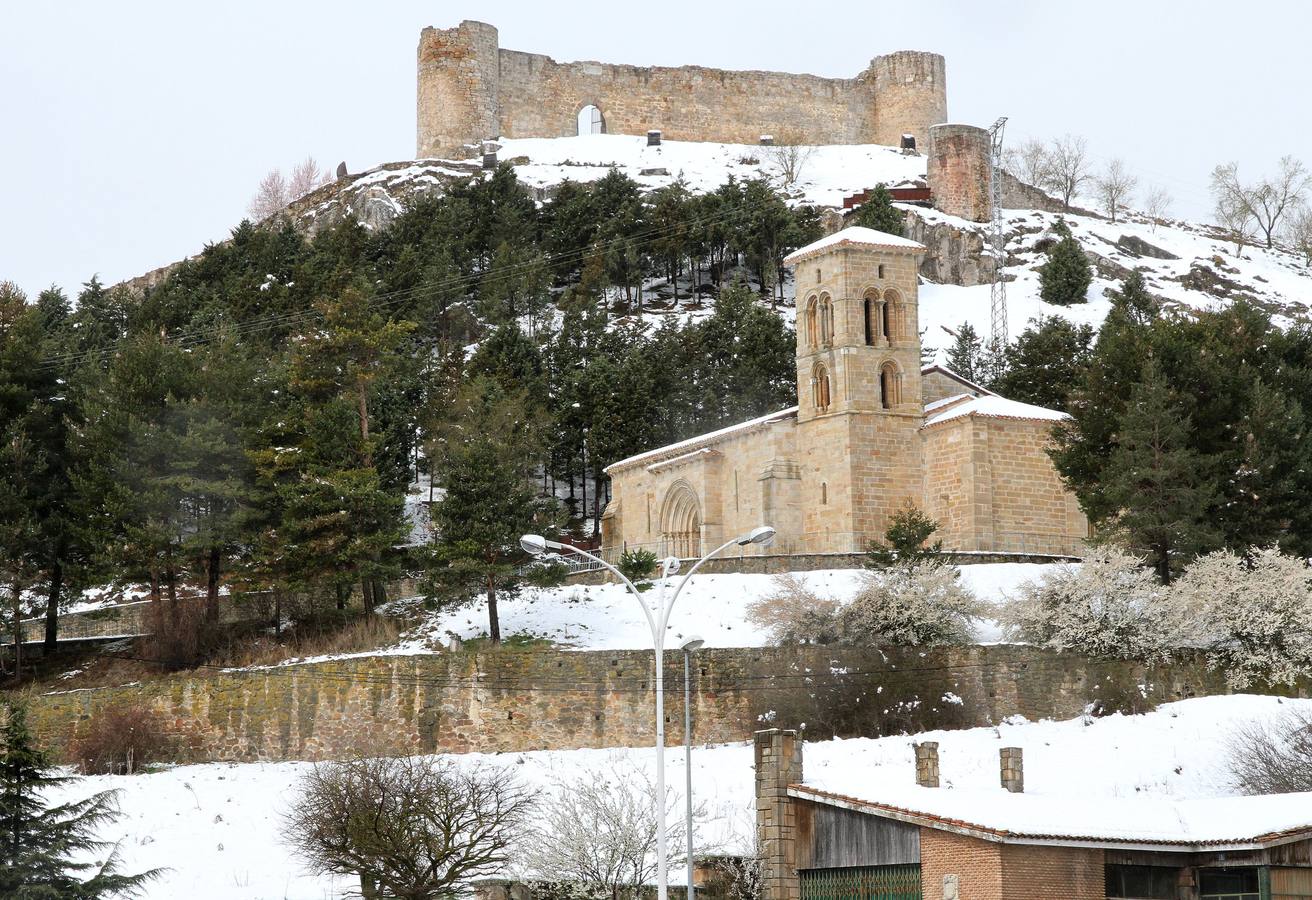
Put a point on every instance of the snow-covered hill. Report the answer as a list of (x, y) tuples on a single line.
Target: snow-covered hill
[(216, 827)]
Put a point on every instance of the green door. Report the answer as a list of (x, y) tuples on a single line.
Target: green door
[(862, 883)]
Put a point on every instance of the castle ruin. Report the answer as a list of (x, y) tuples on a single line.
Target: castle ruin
[(471, 89)]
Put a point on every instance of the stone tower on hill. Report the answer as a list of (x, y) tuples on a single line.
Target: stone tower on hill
[(872, 431), (470, 90)]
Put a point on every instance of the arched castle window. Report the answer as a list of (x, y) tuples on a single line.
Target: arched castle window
[(811, 328), (890, 386), (871, 311), (892, 322), (826, 321), (681, 522), (820, 387), (590, 120)]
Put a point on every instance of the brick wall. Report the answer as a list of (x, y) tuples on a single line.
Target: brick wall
[(977, 865), (524, 699), (1052, 873), (470, 89)]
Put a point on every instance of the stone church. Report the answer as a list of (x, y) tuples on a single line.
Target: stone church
[(873, 431)]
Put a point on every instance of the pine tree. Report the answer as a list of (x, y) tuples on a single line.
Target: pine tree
[(1046, 363), (1155, 480), (966, 355), (483, 455), (879, 213), (908, 534), (1065, 278), (41, 845)]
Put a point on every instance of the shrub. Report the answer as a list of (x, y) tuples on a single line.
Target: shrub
[(122, 740), (1064, 279), (1252, 616), (1272, 758), (908, 536), (1120, 694), (794, 614), (181, 634), (910, 605), (636, 564), (1109, 606)]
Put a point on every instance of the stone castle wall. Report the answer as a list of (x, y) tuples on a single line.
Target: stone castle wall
[(959, 171), (531, 699), (469, 90)]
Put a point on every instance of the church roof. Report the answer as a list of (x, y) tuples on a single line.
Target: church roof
[(685, 447), (854, 236), (960, 379), (990, 407)]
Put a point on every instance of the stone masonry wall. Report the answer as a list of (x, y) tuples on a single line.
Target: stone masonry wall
[(469, 89), (959, 172), (518, 699)]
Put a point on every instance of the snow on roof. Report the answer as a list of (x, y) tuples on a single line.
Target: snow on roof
[(1002, 816), (686, 447), (937, 405), (994, 407), (855, 236), (955, 376)]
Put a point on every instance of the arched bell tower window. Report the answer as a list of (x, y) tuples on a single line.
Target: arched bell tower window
[(871, 317), (826, 321), (890, 386), (892, 316), (820, 387), (812, 333)]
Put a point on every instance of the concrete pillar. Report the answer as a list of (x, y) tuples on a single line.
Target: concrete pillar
[(778, 764), (1012, 764), (927, 764)]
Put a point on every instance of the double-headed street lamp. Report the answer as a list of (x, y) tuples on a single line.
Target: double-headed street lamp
[(658, 619), (689, 646)]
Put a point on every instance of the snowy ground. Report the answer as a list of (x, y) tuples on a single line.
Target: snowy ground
[(217, 826)]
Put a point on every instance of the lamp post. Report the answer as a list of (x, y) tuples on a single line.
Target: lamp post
[(658, 619), (691, 644)]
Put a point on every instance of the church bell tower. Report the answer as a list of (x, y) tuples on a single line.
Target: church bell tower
[(858, 385)]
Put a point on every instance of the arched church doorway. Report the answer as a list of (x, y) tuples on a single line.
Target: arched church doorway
[(590, 120), (681, 522)]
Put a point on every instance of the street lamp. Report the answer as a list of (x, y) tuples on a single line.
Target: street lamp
[(688, 646), (658, 620)]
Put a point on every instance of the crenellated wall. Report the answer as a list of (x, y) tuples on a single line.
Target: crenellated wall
[(470, 89)]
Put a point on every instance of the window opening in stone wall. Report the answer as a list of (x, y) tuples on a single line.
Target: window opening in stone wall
[(817, 276), (888, 386), (890, 300), (881, 271), (824, 493), (810, 322), (871, 311), (826, 320), (590, 120), (820, 387)]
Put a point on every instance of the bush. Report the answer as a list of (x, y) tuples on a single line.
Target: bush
[(1272, 758), (794, 614), (1065, 277), (1120, 695), (181, 634), (910, 605), (122, 740), (1109, 606), (908, 536), (636, 564), (1253, 616)]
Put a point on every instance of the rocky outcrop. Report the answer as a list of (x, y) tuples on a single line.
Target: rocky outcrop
[(956, 254)]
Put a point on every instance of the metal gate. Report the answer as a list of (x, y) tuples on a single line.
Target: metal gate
[(862, 883)]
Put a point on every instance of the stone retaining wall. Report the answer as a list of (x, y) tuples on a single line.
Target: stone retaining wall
[(516, 699)]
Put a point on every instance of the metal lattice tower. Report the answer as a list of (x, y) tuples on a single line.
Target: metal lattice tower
[(998, 240)]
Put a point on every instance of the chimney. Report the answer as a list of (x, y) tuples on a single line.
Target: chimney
[(778, 764), (927, 764), (767, 140), (654, 137), (1013, 769)]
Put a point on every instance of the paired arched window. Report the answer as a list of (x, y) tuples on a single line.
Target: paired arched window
[(820, 387), (890, 385), (826, 321), (812, 328), (871, 315), (681, 522), (892, 316)]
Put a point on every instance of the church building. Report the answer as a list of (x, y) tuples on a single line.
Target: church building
[(873, 431)]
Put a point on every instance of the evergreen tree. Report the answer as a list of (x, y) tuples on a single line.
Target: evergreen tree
[(908, 534), (1046, 363), (483, 457), (1156, 482), (41, 846), (966, 355), (879, 213), (1065, 277)]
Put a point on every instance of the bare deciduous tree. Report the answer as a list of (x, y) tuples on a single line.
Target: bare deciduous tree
[(1029, 162), (1265, 202), (1157, 204), (305, 178), (1068, 167), (1235, 220), (1299, 233), (793, 613), (599, 830), (1272, 758), (789, 156), (270, 197), (410, 827), (1114, 187)]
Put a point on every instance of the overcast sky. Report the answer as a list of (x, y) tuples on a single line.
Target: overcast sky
[(133, 132)]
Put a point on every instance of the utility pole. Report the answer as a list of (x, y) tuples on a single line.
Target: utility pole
[(998, 239)]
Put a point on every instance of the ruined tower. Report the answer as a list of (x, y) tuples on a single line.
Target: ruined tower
[(458, 91), (960, 169), (858, 383), (911, 94)]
